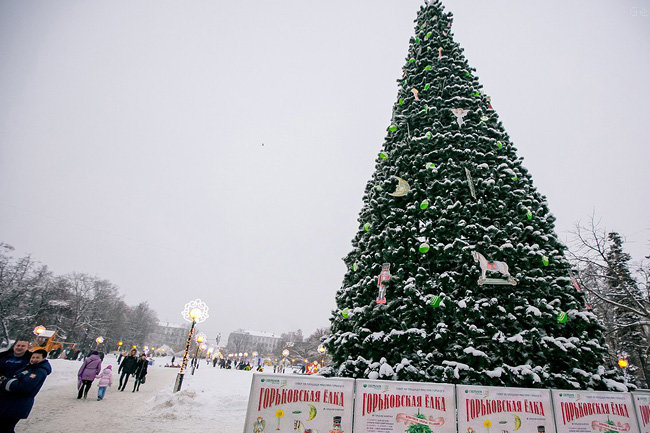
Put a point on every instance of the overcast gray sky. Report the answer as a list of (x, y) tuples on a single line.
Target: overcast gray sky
[(219, 149)]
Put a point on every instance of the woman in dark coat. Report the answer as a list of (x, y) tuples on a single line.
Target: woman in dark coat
[(18, 391), (140, 372), (127, 368)]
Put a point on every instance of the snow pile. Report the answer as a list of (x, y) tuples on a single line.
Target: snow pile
[(212, 395)]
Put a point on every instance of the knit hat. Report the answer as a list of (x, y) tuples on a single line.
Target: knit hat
[(109, 366)]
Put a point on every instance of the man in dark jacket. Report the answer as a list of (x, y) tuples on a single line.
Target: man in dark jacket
[(15, 358), (18, 391), (140, 372), (127, 368)]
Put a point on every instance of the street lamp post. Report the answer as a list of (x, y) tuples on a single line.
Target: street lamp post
[(200, 338), (322, 350), (195, 311), (624, 364), (119, 346), (285, 353), (98, 340)]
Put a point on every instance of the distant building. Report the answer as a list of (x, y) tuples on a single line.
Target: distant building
[(171, 334), (242, 340)]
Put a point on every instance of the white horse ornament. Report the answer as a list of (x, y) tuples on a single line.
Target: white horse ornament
[(486, 265)]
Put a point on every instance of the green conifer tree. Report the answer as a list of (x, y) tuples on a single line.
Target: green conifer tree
[(467, 191)]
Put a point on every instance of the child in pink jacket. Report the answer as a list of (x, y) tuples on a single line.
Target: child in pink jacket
[(105, 379)]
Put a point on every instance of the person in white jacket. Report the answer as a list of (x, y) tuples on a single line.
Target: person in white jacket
[(105, 380)]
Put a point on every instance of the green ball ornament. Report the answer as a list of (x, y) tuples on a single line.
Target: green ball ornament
[(392, 128), (355, 267), (426, 108), (383, 155), (529, 215), (417, 40), (401, 101), (429, 135), (515, 178), (545, 261), (424, 204), (427, 86), (467, 74), (345, 312), (379, 188), (430, 165), (428, 68), (411, 60), (435, 301), (499, 145), (423, 26), (476, 93), (562, 317), (428, 35), (366, 227), (424, 247)]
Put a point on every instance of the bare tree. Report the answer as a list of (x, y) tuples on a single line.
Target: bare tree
[(617, 291)]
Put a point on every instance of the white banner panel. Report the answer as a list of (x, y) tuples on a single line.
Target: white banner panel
[(594, 412), (642, 406), (293, 403), (389, 406), (488, 409)]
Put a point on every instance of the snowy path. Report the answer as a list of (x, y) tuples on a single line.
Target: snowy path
[(212, 400)]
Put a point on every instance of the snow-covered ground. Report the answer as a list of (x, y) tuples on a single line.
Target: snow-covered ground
[(212, 400)]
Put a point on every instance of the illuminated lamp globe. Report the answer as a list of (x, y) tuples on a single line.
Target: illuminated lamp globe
[(200, 338), (119, 343), (285, 352), (99, 340), (321, 349), (622, 362), (245, 353), (195, 311)]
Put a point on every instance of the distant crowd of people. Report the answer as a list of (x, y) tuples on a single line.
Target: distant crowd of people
[(22, 374)]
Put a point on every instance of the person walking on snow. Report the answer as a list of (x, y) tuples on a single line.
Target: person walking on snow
[(105, 380), (89, 370), (127, 367), (18, 391), (140, 372)]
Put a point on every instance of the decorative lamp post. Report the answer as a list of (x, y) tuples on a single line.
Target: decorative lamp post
[(99, 340), (200, 338), (285, 353), (322, 350), (624, 364), (195, 311), (119, 346)]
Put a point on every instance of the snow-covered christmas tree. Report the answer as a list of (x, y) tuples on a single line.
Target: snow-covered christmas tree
[(456, 273)]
